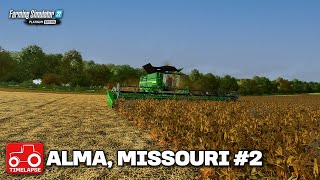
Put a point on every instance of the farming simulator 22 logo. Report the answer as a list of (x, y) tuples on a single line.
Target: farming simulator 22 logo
[(35, 17)]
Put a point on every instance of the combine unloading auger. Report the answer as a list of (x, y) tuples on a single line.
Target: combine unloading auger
[(163, 83)]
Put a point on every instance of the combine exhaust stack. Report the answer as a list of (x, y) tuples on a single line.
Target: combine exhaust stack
[(163, 83)]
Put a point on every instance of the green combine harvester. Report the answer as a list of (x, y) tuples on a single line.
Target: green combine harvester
[(164, 83)]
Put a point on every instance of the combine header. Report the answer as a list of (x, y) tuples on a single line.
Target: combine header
[(164, 83)]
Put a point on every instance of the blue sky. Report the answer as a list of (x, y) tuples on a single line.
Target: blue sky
[(244, 38)]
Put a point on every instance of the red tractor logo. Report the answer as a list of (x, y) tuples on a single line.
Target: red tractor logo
[(24, 155)]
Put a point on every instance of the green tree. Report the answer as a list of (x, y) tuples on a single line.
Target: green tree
[(125, 74), (51, 79), (210, 82), (249, 87), (98, 74), (32, 62), (297, 86), (307, 87), (264, 85), (53, 63), (228, 83), (7, 66), (196, 79), (315, 87), (284, 86), (72, 68)]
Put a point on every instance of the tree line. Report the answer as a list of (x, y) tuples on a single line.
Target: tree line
[(71, 69)]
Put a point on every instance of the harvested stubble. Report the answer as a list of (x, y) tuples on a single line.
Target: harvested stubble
[(75, 122), (285, 129)]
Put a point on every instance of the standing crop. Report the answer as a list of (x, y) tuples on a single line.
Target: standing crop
[(285, 129)]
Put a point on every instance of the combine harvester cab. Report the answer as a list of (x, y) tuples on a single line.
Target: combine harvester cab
[(164, 83)]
